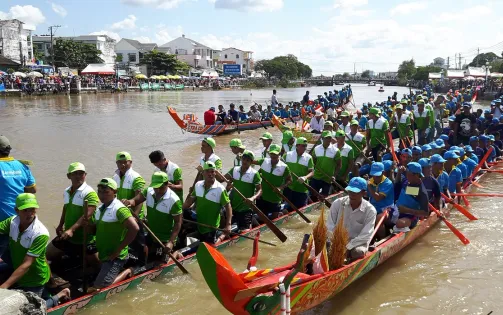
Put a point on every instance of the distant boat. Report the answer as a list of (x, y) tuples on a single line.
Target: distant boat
[(381, 89), (372, 83)]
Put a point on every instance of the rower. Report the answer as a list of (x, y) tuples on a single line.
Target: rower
[(318, 122), (345, 125), (130, 183), (246, 180), (438, 172), (389, 169), (455, 175), (381, 196), (327, 161), (266, 142), (484, 144), (70, 236), (461, 166), (447, 140), (221, 115), (329, 126), (278, 174), (301, 164), (115, 229), (417, 153), (208, 148), (359, 217), (174, 172), (164, 209), (469, 163), (233, 115), (426, 151), (210, 197), (470, 154), (413, 200), (441, 146), (422, 120), (28, 238), (347, 157), (355, 139), (209, 116), (430, 183), (237, 148), (402, 122), (377, 128), (288, 142)]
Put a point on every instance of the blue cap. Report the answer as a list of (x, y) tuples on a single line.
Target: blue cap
[(364, 170), (417, 149), (467, 104), (498, 100), (461, 151), (424, 162), (387, 165), (415, 168), (407, 151), (450, 155), (387, 156), (357, 184), (495, 120), (487, 111), (376, 169), (474, 138), (483, 138), (440, 143), (426, 147), (444, 137), (437, 158), (491, 137), (433, 145), (493, 103), (468, 148), (454, 148)]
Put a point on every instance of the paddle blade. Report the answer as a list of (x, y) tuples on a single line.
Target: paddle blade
[(460, 235), (464, 211)]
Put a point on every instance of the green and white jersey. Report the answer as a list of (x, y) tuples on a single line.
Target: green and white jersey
[(402, 123), (276, 175), (209, 202), (237, 161), (174, 175), (287, 148), (422, 119), (160, 212), (245, 183), (346, 156), (300, 166), (213, 158), (378, 131), (346, 128), (74, 209), (128, 185), (32, 242), (109, 229), (326, 161), (264, 153), (431, 114), (358, 140)]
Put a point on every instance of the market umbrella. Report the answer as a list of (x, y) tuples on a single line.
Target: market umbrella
[(35, 74), (177, 77), (2, 73), (162, 77), (154, 77), (141, 76), (469, 78), (19, 74), (480, 79)]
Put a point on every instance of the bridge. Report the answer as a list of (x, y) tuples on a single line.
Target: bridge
[(330, 81)]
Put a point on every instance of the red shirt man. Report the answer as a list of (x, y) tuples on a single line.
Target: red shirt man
[(209, 116)]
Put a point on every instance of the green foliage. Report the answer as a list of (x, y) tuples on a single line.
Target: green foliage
[(10, 71), (423, 72), (72, 54), (346, 75), (39, 55), (481, 59), (406, 70), (160, 62), (366, 74), (119, 58), (284, 67), (497, 65)]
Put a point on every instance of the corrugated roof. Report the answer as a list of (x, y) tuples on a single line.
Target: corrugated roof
[(7, 62), (140, 46)]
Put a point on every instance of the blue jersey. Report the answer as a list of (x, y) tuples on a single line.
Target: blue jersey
[(416, 202), (470, 165), (464, 170), (284, 113), (474, 158), (386, 188), (14, 178), (363, 122), (455, 177), (443, 181), (294, 113)]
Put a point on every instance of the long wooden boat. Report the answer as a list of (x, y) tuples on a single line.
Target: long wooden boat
[(215, 130), (77, 304), (256, 292)]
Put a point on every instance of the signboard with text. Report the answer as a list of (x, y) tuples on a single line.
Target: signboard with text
[(232, 69)]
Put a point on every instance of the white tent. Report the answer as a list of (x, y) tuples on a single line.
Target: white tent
[(434, 75), (99, 68), (477, 71), (455, 74), (210, 73)]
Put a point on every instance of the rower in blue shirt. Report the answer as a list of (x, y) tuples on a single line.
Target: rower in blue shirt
[(381, 196), (284, 112), (455, 175), (438, 172), (461, 166), (294, 112), (469, 152), (430, 183)]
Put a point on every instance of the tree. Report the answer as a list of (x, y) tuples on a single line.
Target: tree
[(406, 70), (481, 59), (118, 58), (38, 55), (345, 75), (422, 73), (72, 54), (284, 67), (366, 74), (160, 62)]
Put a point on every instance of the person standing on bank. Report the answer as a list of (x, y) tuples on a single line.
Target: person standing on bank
[(274, 100)]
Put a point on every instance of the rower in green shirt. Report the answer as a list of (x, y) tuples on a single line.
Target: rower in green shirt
[(347, 158), (129, 182), (208, 146), (164, 210), (301, 164), (327, 163), (247, 181), (356, 139), (377, 129), (237, 149), (402, 122), (422, 119), (210, 197), (288, 142), (277, 174), (266, 142), (173, 171)]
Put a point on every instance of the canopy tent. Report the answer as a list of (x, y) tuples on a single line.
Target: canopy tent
[(496, 75), (99, 68), (35, 74), (434, 75), (469, 78), (19, 74), (477, 71), (210, 74), (455, 74)]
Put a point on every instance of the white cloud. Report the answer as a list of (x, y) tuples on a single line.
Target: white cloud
[(161, 4), (345, 4), (126, 24), (406, 8), (113, 35), (59, 10), (143, 39), (165, 34), (30, 15), (476, 12), (248, 5)]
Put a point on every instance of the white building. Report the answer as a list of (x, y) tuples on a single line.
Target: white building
[(193, 53), (237, 57), (132, 50), (15, 41)]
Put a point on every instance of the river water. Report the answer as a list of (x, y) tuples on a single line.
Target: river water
[(435, 275)]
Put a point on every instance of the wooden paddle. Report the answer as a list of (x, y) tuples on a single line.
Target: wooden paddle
[(279, 193), (392, 146), (478, 167), (493, 171), (359, 151), (460, 235), (334, 183), (84, 248), (261, 215), (232, 233), (318, 195), (381, 220), (179, 264), (477, 195), (460, 208)]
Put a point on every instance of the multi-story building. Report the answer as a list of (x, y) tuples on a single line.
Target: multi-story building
[(132, 50), (193, 53), (237, 56), (15, 41)]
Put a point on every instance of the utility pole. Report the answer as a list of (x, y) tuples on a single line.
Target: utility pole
[(448, 58), (460, 61), (478, 53), (52, 32)]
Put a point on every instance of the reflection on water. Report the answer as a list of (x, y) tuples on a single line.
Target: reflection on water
[(436, 275)]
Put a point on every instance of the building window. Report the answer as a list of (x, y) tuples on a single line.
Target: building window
[(237, 56), (226, 56), (244, 66), (131, 57)]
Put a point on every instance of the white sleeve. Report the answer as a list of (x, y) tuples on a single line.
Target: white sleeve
[(363, 239), (333, 216)]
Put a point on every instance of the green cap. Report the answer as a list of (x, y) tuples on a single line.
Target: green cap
[(236, 143), (420, 101), (274, 149), (340, 133), (266, 136), (398, 106), (404, 101), (287, 135), (419, 97), (211, 142), (209, 166), (249, 154), (326, 134), (158, 179), (76, 166), (4, 142), (329, 123), (123, 156), (108, 182), (301, 140), (26, 201), (345, 114), (375, 111), (353, 122)]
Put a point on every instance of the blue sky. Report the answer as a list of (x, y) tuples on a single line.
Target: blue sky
[(331, 36)]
